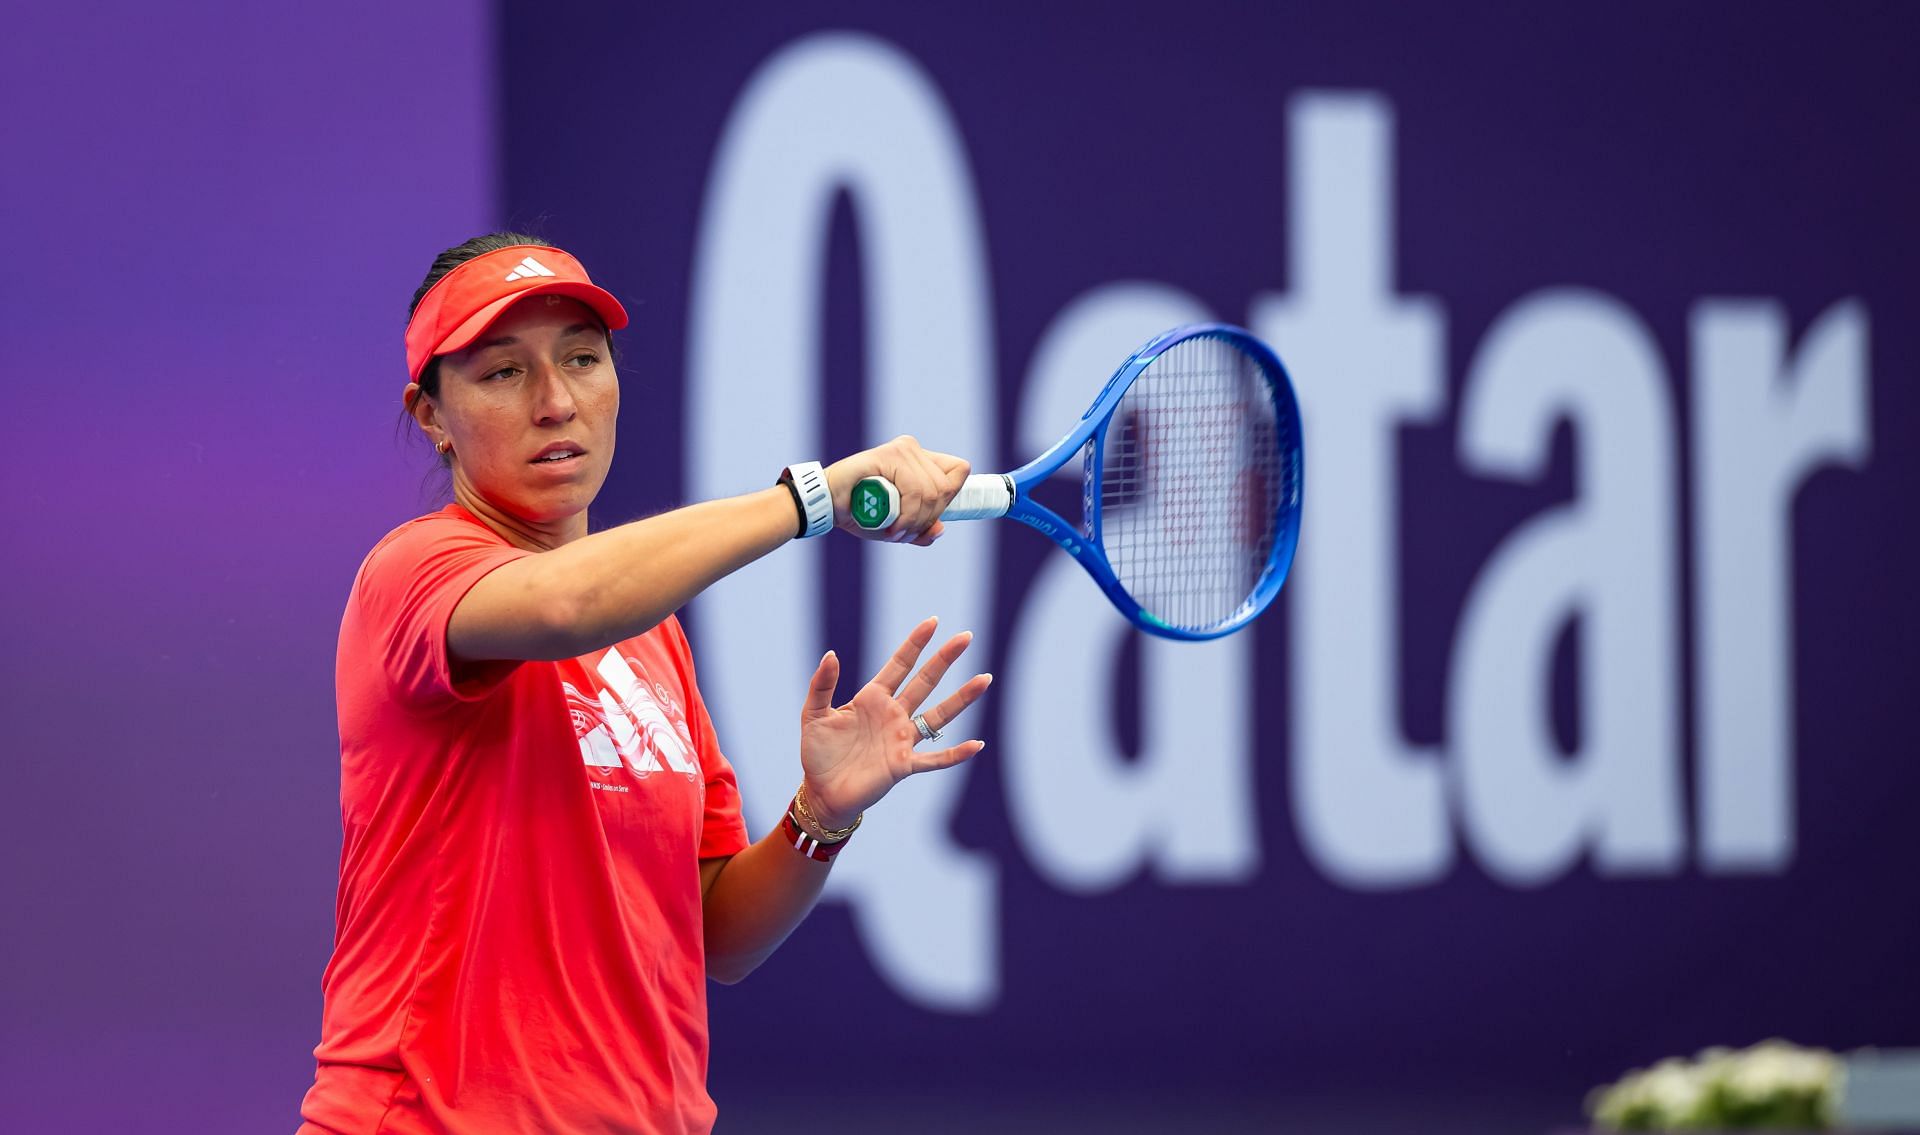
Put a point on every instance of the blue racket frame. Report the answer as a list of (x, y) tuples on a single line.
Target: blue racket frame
[(1083, 543)]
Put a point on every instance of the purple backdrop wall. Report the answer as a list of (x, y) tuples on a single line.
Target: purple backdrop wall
[(217, 216), (217, 220), (1635, 167)]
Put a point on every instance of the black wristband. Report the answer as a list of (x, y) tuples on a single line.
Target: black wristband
[(799, 506)]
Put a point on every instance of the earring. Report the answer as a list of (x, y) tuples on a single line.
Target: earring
[(443, 446)]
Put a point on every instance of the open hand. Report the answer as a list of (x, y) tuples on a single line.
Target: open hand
[(852, 755)]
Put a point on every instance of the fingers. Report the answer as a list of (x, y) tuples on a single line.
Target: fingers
[(932, 490), (954, 469), (826, 676), (928, 679), (946, 758), (926, 480), (946, 474), (901, 664), (906, 465), (956, 703)]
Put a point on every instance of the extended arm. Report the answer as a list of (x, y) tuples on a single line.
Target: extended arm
[(850, 757), (613, 585)]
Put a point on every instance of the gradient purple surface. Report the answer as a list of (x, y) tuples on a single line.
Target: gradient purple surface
[(216, 220)]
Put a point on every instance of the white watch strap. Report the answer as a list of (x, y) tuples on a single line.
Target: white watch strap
[(810, 481)]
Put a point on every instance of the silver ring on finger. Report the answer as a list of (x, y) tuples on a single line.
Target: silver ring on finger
[(927, 732)]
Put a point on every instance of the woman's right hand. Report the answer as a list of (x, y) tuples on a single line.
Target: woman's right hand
[(927, 481)]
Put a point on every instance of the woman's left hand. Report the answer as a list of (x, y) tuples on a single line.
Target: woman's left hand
[(854, 754)]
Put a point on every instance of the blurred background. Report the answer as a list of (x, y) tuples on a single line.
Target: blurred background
[(1579, 738)]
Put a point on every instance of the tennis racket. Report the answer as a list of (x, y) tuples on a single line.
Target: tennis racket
[(1191, 484)]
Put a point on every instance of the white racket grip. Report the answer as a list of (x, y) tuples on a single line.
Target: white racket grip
[(985, 496), (875, 503)]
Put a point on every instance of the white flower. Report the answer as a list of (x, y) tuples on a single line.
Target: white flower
[(1677, 1090), (1772, 1082), (1775, 1068)]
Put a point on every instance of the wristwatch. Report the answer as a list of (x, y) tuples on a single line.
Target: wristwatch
[(807, 481)]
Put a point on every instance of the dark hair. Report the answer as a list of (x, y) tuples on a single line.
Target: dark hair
[(446, 262)]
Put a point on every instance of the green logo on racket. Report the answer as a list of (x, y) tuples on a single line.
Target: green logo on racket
[(870, 503)]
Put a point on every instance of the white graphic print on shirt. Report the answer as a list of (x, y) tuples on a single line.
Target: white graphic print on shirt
[(625, 720)]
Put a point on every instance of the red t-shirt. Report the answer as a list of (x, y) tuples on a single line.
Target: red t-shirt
[(518, 944)]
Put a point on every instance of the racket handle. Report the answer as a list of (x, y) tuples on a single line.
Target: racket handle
[(875, 503)]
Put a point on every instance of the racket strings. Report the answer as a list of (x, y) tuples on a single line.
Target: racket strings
[(1192, 484)]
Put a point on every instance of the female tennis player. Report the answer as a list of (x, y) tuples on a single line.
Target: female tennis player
[(544, 856)]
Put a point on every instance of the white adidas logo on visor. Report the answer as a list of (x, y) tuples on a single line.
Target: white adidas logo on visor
[(529, 268)]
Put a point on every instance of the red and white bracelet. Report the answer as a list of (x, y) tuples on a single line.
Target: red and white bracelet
[(805, 842)]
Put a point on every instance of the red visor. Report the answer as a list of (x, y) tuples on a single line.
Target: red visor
[(464, 301)]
